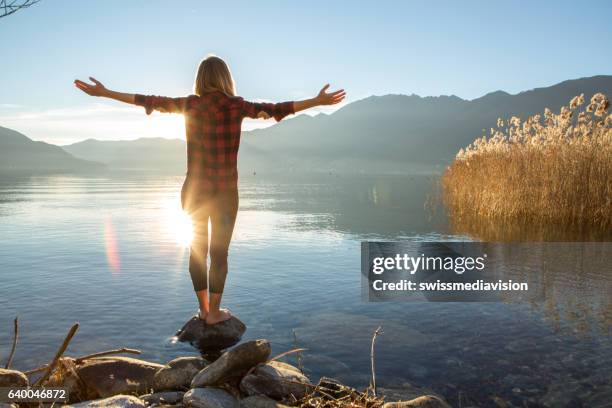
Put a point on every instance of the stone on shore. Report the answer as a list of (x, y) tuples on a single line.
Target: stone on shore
[(233, 364), (107, 376), (406, 392), (168, 398), (425, 401), (276, 380), (211, 338), (12, 378), (260, 401), (117, 401), (178, 373), (209, 398)]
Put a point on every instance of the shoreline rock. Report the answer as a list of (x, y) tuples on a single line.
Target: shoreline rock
[(233, 364), (178, 373), (211, 338), (117, 401), (276, 380), (425, 401), (107, 376), (209, 398), (12, 378), (165, 397)]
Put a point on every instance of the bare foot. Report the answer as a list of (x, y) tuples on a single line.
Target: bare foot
[(218, 317), (202, 315)]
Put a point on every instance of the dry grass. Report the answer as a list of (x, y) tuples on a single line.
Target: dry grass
[(329, 393), (550, 170)]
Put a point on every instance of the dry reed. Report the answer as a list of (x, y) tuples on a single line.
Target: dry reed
[(548, 170)]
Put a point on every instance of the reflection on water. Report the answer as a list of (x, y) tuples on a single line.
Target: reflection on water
[(495, 230), (104, 252), (577, 284), (574, 280)]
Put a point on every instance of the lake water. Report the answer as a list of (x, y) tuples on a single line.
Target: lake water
[(110, 253)]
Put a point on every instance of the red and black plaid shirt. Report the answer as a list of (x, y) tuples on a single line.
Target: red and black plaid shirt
[(213, 123)]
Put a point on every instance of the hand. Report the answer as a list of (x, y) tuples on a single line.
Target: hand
[(263, 115), (97, 89), (332, 98)]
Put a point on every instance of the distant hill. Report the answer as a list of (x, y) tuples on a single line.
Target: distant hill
[(161, 155), (20, 154), (394, 132), (391, 133)]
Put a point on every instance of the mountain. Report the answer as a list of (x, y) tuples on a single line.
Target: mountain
[(155, 155), (391, 133), (20, 154), (396, 131), (161, 155)]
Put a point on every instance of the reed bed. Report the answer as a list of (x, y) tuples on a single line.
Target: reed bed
[(551, 169)]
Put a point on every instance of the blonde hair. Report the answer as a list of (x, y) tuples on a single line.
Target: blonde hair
[(214, 75)]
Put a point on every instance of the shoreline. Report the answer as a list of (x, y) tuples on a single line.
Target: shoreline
[(228, 374)]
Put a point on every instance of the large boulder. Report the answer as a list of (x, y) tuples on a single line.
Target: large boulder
[(12, 378), (425, 401), (163, 398), (233, 364), (211, 338), (276, 380), (178, 373), (107, 376), (117, 401), (209, 398)]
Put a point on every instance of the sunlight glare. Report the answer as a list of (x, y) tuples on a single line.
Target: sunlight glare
[(178, 224)]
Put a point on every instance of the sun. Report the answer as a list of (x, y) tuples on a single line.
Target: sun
[(178, 224)]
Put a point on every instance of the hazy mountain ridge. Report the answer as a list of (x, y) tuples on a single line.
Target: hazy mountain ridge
[(391, 134), (402, 130), (19, 154), (163, 155)]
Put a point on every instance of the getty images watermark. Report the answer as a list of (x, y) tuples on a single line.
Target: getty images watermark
[(461, 271), (423, 263)]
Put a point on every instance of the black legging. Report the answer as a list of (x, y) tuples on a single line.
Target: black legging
[(221, 208)]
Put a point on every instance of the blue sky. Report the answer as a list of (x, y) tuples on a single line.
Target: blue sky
[(281, 50)]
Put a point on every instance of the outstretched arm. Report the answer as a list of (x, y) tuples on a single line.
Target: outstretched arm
[(278, 111), (97, 89), (149, 102), (323, 98)]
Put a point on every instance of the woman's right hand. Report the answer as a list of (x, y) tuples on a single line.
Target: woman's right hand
[(97, 89), (332, 98)]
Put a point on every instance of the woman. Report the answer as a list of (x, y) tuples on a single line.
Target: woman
[(213, 117)]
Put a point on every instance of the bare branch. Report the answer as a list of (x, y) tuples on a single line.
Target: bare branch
[(9, 7), (87, 357), (376, 333), (16, 335), (60, 351), (107, 353)]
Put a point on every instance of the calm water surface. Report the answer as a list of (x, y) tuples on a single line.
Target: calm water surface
[(110, 253)]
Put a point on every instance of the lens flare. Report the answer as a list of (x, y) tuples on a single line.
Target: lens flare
[(110, 242)]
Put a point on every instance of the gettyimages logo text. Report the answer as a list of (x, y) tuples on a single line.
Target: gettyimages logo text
[(412, 264)]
